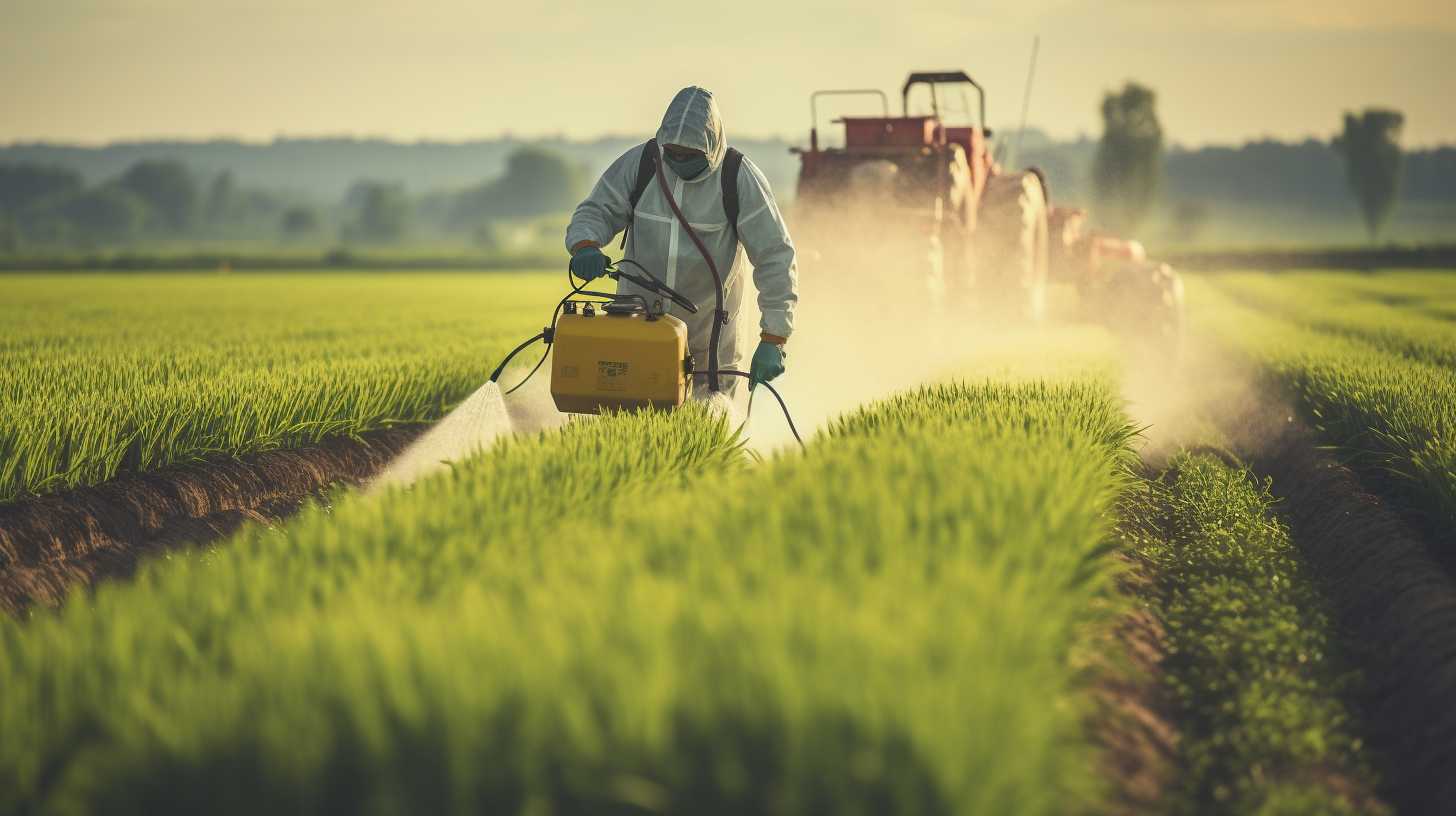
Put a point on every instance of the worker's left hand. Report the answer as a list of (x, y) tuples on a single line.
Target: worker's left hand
[(768, 362), (589, 263)]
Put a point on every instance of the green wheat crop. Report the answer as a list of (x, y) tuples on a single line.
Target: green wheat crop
[(1389, 409), (1253, 667), (1382, 310), (621, 617), (111, 373)]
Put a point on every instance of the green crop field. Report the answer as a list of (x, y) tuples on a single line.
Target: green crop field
[(925, 610), (101, 374), (619, 638), (1254, 668), (1374, 374)]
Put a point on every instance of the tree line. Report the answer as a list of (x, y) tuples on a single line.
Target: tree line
[(45, 206), (58, 197)]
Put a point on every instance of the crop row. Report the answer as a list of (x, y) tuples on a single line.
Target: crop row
[(1392, 411), (1255, 675), (1388, 311), (618, 616), (103, 374)]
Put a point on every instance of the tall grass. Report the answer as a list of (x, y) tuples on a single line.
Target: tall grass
[(105, 374), (617, 618)]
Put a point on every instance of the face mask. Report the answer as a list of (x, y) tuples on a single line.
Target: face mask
[(686, 169)]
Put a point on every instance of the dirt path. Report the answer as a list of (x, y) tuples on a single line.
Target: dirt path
[(1133, 721), (52, 544)]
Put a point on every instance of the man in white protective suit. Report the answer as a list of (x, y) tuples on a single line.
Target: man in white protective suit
[(726, 200)]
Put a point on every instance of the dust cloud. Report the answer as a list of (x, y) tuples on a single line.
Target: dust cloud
[(884, 318), (878, 315), (1211, 399)]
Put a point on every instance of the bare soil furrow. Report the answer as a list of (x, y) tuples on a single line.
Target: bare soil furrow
[(1391, 597), (52, 544), (1133, 723)]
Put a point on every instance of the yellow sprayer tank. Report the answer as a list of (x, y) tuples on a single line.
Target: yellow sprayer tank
[(615, 361)]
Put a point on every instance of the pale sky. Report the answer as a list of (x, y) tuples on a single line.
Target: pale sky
[(1226, 70)]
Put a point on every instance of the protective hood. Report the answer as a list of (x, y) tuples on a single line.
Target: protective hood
[(692, 120), (656, 239)]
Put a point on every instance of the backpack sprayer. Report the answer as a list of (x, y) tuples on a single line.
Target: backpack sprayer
[(620, 351)]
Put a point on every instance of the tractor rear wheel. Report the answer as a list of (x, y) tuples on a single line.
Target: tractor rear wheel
[(1012, 247)]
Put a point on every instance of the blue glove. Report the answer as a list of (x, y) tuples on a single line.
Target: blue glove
[(768, 362), (589, 263)]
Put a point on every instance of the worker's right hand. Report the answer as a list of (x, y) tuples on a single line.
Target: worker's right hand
[(589, 263), (768, 362)]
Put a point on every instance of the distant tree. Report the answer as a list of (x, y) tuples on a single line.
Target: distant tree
[(298, 221), (24, 184), (262, 205), (1259, 175), (1188, 219), (486, 236), (1430, 175), (1370, 145), (9, 236), (222, 199), (382, 213), (1128, 168), (167, 187), (103, 214), (541, 181), (536, 182), (355, 196), (48, 229)]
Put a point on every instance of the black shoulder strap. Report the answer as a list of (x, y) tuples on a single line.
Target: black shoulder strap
[(646, 169), (731, 162)]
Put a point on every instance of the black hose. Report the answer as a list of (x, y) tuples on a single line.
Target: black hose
[(719, 315), (644, 269), (547, 353), (550, 328), (650, 282), (495, 377), (783, 406)]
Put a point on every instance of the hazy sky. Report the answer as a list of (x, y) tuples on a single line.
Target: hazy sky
[(1225, 70)]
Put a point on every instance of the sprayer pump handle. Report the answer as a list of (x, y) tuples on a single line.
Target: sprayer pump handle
[(651, 284)]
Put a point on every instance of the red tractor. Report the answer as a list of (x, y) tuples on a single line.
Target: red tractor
[(926, 188)]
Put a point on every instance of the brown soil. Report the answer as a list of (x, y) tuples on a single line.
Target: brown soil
[(1133, 719), (1132, 722), (53, 544), (1396, 604)]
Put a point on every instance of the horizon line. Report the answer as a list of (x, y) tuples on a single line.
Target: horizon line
[(505, 136)]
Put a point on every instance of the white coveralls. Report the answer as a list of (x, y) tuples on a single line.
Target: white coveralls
[(658, 241)]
